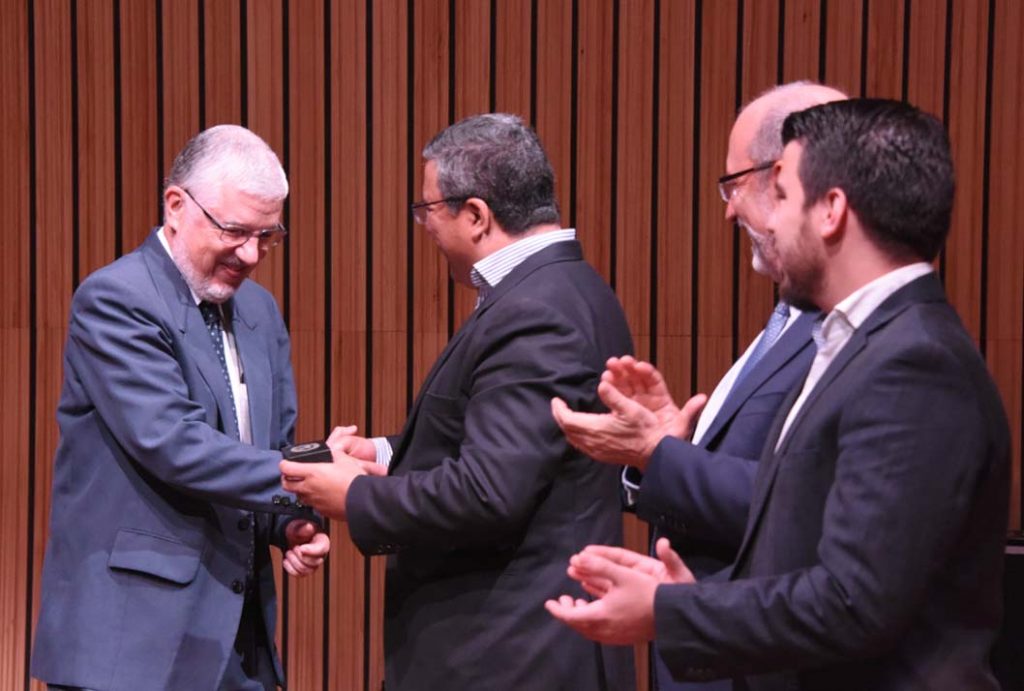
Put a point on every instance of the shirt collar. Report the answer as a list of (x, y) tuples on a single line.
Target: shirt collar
[(489, 271), (856, 307)]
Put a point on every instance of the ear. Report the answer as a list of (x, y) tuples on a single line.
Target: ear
[(480, 218), (174, 206), (833, 209)]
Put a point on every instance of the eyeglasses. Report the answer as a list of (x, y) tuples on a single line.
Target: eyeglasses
[(729, 184), (236, 236), (420, 210)]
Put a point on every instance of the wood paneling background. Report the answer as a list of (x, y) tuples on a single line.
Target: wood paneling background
[(633, 100)]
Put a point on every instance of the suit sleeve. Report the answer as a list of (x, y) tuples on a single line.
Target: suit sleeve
[(511, 449), (119, 350), (907, 481), (690, 490)]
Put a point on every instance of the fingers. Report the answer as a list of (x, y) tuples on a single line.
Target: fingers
[(616, 400), (339, 433), (676, 569), (314, 551), (294, 470), (618, 555)]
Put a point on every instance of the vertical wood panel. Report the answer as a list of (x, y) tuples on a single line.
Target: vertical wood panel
[(513, 40), (17, 573), (594, 134), (675, 197), (347, 593), (554, 89), (96, 119), (800, 51), (1006, 242), (967, 134), (181, 50), (926, 55), (843, 36), (139, 137), (222, 62), (714, 263), (884, 78), (307, 307)]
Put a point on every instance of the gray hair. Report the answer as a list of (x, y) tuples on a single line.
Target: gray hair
[(499, 159), (229, 155), (781, 101)]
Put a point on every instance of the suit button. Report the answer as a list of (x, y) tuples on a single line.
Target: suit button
[(276, 499), (238, 587), (243, 524)]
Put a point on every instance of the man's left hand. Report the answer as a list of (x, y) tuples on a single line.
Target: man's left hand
[(625, 582), (324, 486), (308, 547)]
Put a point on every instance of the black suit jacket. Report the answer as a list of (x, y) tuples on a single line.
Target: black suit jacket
[(873, 554), (485, 502)]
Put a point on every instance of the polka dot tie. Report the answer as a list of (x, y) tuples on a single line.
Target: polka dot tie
[(211, 315)]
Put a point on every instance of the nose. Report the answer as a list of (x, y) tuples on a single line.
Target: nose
[(730, 212), (249, 251)]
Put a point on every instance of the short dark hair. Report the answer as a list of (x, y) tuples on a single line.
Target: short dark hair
[(891, 160), (498, 158)]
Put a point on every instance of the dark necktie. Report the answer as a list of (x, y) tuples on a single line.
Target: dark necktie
[(249, 634), (211, 315), (772, 331)]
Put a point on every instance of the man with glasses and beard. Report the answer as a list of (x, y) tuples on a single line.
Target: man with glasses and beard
[(697, 492), (177, 397)]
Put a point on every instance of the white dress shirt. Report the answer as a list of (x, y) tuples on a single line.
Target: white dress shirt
[(839, 325)]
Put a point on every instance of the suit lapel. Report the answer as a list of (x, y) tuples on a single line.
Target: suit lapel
[(186, 317), (924, 289), (558, 252), (788, 346)]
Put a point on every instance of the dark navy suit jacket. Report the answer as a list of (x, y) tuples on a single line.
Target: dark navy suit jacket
[(873, 554), (149, 527), (485, 501), (698, 495)]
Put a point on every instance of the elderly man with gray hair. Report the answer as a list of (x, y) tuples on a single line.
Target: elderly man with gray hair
[(177, 399), (479, 501)]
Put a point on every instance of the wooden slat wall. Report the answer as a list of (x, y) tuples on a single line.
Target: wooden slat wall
[(633, 100)]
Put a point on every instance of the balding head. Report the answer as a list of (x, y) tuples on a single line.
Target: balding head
[(756, 139)]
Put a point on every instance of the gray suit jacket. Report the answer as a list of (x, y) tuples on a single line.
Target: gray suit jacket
[(873, 554), (149, 532)]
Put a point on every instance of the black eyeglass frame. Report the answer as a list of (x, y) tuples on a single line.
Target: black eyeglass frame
[(236, 236), (421, 216), (726, 179)]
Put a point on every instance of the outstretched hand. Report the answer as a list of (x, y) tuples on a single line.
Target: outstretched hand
[(641, 413)]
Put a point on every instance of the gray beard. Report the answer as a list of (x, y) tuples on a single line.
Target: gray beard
[(202, 286)]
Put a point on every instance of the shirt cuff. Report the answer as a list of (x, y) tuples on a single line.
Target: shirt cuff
[(631, 478), (384, 450)]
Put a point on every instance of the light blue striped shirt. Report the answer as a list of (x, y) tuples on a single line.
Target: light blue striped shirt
[(485, 275)]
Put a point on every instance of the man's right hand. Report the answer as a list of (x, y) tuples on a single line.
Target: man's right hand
[(642, 413), (344, 439)]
